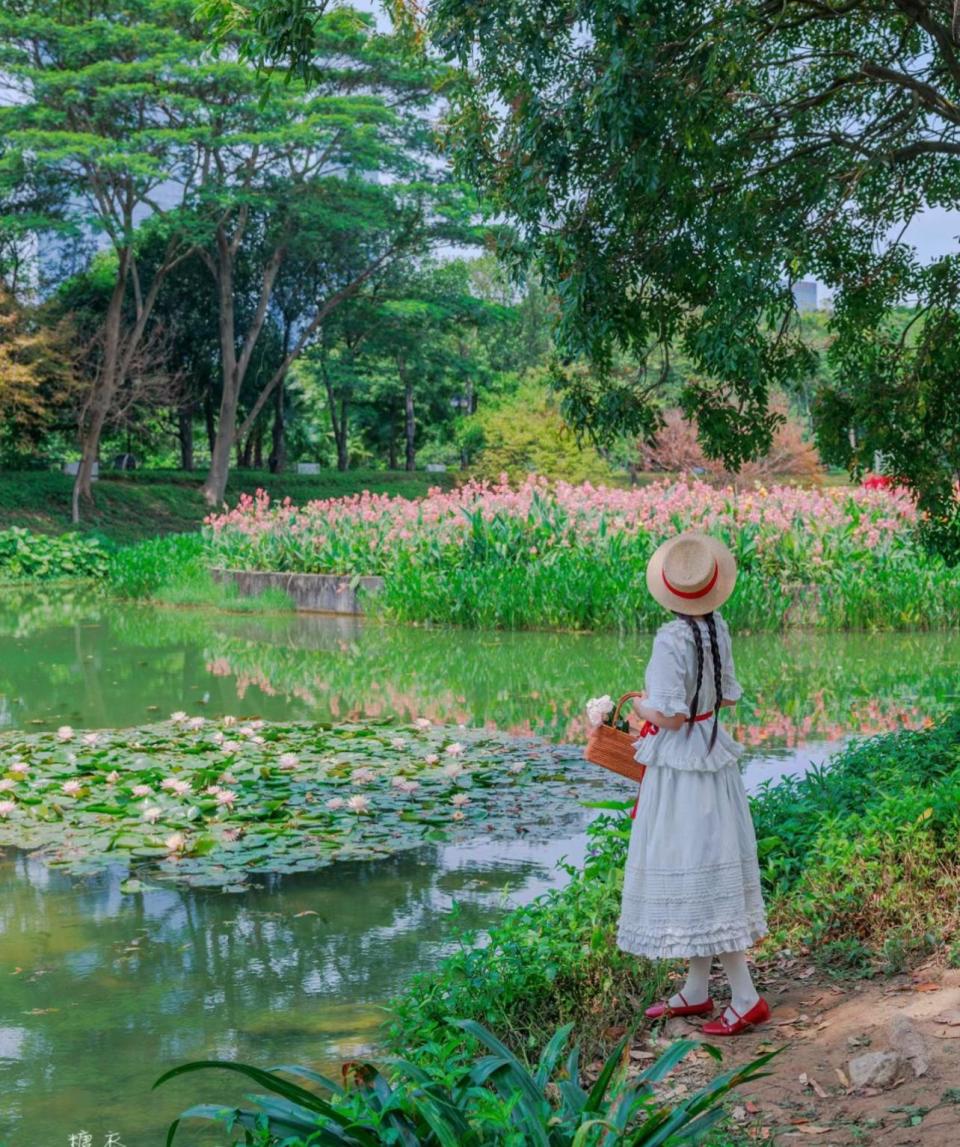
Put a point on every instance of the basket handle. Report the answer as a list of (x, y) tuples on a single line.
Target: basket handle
[(616, 712)]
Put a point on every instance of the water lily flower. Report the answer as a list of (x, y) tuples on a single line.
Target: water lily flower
[(228, 721), (212, 790), (65, 733), (226, 797), (258, 740), (175, 842), (423, 722), (409, 786), (358, 803), (230, 747), (362, 776), (454, 750), (431, 758), (454, 769), (245, 731), (398, 743), (258, 724), (458, 815), (196, 722), (112, 777), (20, 767), (459, 799), (598, 709), (227, 778), (7, 807), (178, 716), (516, 767), (335, 803), (174, 785), (7, 784), (217, 738), (288, 760), (142, 791), (90, 738), (151, 813), (71, 788)]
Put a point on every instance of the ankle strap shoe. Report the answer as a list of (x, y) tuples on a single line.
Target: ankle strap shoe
[(758, 1014), (664, 1010)]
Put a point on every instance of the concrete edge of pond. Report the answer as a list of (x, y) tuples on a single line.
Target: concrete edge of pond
[(310, 593)]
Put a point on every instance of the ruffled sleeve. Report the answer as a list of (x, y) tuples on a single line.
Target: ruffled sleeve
[(728, 676), (666, 675)]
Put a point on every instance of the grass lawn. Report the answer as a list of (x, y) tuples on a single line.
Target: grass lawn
[(130, 507)]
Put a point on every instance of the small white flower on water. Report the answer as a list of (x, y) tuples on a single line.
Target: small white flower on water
[(113, 777), (20, 767), (454, 769), (256, 724), (90, 738), (212, 790), (362, 776), (65, 733), (227, 778), (516, 767), (178, 716), (71, 788), (7, 807), (398, 743), (175, 842), (217, 738), (7, 784), (142, 790), (258, 740), (335, 803), (196, 722), (409, 786), (454, 750), (358, 803), (181, 788), (459, 799), (598, 709), (461, 725), (431, 758), (228, 721), (458, 815), (72, 758), (397, 782), (423, 722), (230, 746), (226, 797), (245, 731), (288, 760), (151, 813)]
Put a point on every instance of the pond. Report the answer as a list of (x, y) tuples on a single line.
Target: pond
[(101, 990)]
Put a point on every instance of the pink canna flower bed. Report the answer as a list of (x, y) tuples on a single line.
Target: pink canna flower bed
[(533, 551)]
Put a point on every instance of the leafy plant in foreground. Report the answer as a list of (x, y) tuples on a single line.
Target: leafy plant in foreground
[(495, 1099), (40, 557)]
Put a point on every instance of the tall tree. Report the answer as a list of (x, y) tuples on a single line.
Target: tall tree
[(94, 114)]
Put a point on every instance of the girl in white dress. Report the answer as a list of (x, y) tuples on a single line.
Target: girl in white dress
[(692, 883)]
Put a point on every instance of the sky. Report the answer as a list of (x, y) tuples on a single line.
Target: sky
[(934, 233)]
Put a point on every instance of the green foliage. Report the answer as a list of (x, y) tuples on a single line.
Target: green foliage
[(38, 557), (492, 1100), (525, 434)]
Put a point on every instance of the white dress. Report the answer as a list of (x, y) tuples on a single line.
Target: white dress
[(692, 883)]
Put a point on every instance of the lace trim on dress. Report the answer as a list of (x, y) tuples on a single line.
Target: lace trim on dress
[(662, 945), (676, 749)]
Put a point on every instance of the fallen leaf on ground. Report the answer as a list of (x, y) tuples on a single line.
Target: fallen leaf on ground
[(926, 986), (841, 1075), (951, 1017), (809, 1129)]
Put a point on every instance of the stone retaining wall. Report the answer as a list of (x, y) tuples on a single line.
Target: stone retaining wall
[(310, 593)]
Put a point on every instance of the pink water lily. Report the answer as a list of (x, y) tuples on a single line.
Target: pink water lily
[(230, 746), (431, 758), (454, 769), (151, 813), (71, 788), (176, 842), (454, 750), (173, 785), (458, 815), (65, 733), (335, 802), (228, 721), (288, 760), (90, 738), (226, 797), (19, 767), (6, 784), (459, 799), (196, 722), (112, 777), (423, 723), (178, 716), (363, 776), (142, 790), (358, 803), (7, 807)]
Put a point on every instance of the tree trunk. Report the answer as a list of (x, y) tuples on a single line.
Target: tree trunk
[(343, 438), (244, 452), (410, 425), (185, 434), (278, 449), (208, 420), (258, 448), (215, 485), (392, 452)]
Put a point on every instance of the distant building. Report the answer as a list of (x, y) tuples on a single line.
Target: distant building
[(805, 294)]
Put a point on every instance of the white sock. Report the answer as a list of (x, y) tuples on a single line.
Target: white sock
[(697, 988), (742, 992)]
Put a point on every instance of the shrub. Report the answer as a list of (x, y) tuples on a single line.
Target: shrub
[(493, 1100), (25, 555)]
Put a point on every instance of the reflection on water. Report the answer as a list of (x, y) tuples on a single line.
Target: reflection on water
[(90, 663), (100, 991)]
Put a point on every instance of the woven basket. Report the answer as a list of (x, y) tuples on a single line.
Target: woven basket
[(611, 748)]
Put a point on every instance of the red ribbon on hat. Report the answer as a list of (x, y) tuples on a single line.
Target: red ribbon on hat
[(697, 593)]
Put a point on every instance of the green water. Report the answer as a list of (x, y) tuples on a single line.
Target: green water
[(101, 991)]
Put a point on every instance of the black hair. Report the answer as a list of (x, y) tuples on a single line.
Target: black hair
[(717, 677)]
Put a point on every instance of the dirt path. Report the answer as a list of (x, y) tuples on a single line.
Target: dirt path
[(809, 1095)]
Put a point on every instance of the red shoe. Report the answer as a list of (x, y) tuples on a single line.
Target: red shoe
[(758, 1014), (661, 1011)]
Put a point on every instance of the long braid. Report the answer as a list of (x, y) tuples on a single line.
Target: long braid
[(698, 639), (717, 676)]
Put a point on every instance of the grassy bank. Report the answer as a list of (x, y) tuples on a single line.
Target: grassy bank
[(861, 869), (147, 503)]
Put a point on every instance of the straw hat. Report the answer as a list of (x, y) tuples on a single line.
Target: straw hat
[(692, 573)]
